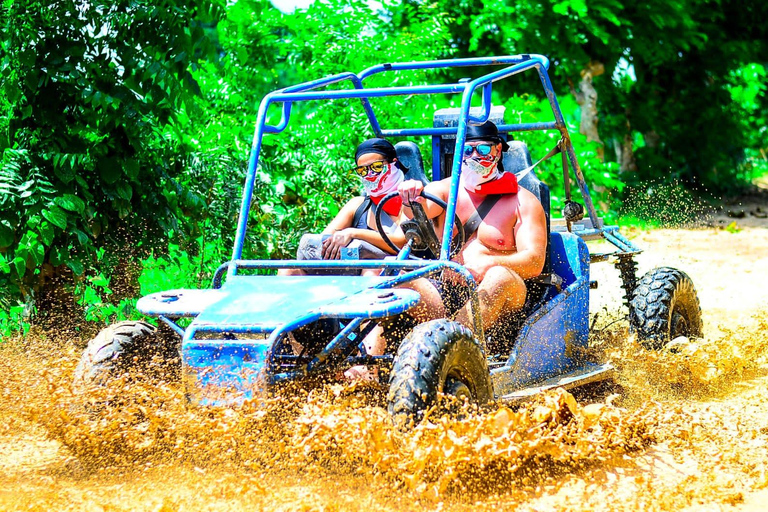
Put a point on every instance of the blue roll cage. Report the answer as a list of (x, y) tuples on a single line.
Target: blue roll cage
[(309, 91)]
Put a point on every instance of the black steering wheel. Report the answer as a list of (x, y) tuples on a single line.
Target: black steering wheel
[(420, 230)]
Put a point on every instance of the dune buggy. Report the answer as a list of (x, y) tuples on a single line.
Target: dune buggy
[(237, 343)]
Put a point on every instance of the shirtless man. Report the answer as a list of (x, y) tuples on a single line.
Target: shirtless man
[(508, 246)]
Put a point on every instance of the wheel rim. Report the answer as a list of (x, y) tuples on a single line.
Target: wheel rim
[(456, 388), (679, 326)]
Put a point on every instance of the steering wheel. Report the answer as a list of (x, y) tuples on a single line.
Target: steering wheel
[(420, 230)]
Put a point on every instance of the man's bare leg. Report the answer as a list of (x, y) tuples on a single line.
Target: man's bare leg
[(501, 291), (429, 307), (431, 304)]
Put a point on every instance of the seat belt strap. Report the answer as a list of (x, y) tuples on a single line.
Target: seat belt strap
[(482, 210)]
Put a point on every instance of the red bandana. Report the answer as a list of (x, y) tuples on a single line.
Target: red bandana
[(506, 184), (392, 207)]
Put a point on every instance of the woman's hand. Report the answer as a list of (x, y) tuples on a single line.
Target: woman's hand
[(333, 244), (410, 192)]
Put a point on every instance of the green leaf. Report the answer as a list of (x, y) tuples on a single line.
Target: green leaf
[(81, 237), (56, 216), (62, 170), (76, 266), (59, 255), (6, 235), (37, 250), (20, 264), (70, 202), (110, 170), (132, 168), (46, 233), (124, 191)]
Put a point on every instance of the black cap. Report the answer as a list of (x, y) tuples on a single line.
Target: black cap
[(379, 146), (486, 131)]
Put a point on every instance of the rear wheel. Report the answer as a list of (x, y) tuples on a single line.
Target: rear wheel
[(122, 348), (438, 357), (664, 306)]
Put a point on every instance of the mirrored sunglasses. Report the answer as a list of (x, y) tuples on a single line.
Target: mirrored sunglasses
[(481, 149), (375, 168)]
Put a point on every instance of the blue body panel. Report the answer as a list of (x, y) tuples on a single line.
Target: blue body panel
[(223, 372), (263, 303), (553, 336), (226, 372)]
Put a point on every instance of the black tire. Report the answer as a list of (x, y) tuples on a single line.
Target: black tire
[(439, 356), (121, 348), (664, 306)]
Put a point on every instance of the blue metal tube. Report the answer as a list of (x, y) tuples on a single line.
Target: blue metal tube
[(173, 325), (544, 77), (486, 112), (461, 133), (368, 93), (245, 206), (524, 127), (337, 264), (454, 63), (320, 82), (306, 86)]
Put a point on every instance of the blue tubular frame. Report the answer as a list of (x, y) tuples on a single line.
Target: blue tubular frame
[(316, 90), (308, 91)]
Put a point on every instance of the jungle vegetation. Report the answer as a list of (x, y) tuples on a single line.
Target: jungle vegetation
[(125, 126)]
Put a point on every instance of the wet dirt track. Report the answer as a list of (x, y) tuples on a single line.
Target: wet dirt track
[(689, 432)]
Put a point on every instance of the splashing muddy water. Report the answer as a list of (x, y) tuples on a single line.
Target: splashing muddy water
[(686, 429)]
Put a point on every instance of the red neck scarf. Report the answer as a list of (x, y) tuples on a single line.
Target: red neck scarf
[(392, 207), (505, 184)]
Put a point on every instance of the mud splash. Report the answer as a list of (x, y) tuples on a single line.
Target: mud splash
[(341, 438)]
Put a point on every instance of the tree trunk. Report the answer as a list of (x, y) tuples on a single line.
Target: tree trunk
[(625, 154), (586, 97)]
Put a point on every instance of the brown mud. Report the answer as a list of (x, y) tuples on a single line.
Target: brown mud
[(688, 430)]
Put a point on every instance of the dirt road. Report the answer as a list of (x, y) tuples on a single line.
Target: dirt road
[(689, 433)]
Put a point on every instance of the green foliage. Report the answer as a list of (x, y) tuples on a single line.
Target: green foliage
[(91, 95), (303, 178)]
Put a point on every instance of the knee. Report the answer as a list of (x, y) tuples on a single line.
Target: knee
[(502, 278), (506, 284)]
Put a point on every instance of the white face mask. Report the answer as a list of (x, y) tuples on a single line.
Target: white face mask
[(385, 182), (474, 173)]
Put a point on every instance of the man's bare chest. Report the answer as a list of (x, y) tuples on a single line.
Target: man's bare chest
[(496, 228)]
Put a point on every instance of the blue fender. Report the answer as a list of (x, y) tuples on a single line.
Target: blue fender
[(555, 335)]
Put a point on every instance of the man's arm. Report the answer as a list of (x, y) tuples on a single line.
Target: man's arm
[(530, 241)]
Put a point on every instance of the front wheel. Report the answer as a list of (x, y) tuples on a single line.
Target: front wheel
[(664, 306), (436, 357), (125, 347)]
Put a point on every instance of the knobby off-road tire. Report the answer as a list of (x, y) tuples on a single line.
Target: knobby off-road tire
[(436, 357), (664, 306), (124, 347)]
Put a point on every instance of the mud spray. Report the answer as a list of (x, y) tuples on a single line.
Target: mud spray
[(688, 427)]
